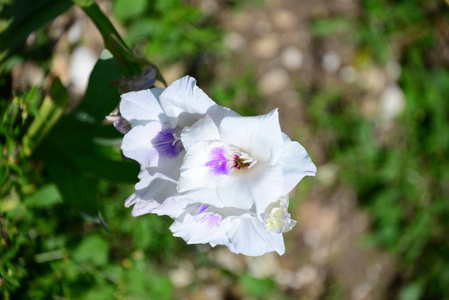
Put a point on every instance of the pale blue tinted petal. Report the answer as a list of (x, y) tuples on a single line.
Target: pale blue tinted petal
[(141, 107)]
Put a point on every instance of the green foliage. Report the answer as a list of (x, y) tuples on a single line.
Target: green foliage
[(53, 163), (49, 252), (167, 29), (23, 21), (255, 287)]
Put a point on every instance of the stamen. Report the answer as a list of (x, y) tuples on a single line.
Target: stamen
[(176, 138)]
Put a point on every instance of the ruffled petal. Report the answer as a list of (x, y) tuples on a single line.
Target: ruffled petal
[(295, 163), (184, 102), (241, 234), (176, 205), (259, 136), (151, 191), (141, 107), (203, 130)]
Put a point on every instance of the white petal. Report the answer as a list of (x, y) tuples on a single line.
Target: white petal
[(259, 136), (184, 102), (195, 171), (151, 191), (141, 107), (295, 163), (248, 236), (197, 230), (153, 145), (252, 188), (217, 113), (203, 130), (137, 144), (173, 207)]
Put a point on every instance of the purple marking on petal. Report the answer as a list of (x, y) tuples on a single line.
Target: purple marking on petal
[(219, 162), (166, 144), (202, 208), (210, 221)]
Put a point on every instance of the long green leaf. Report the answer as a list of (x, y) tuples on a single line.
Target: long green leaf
[(27, 16)]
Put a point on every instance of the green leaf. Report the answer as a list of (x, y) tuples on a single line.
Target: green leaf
[(110, 170), (101, 95), (93, 249), (412, 291), (27, 16), (77, 191), (44, 197), (126, 9), (257, 287), (50, 111)]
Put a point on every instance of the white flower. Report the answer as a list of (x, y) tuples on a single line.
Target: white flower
[(157, 117), (238, 229), (222, 177), (246, 161)]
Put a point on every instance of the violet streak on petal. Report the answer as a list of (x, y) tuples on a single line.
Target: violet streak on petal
[(167, 142), (209, 220), (202, 208), (219, 162)]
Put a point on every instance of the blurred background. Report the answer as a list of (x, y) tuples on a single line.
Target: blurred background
[(363, 85)]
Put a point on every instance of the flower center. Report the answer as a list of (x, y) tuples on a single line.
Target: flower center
[(221, 162), (168, 142), (243, 160)]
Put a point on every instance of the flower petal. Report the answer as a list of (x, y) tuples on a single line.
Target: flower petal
[(203, 130), (141, 107), (201, 230), (151, 191), (204, 166), (185, 102), (178, 203), (248, 236), (259, 136), (295, 163), (152, 144), (253, 188)]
